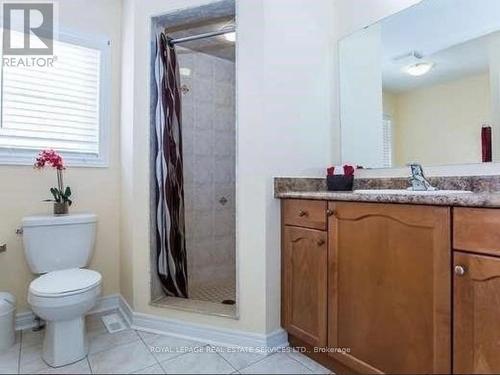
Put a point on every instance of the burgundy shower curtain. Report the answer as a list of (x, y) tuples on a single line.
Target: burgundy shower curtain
[(170, 222)]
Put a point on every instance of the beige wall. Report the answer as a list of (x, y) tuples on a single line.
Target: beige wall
[(22, 189), (389, 104), (441, 124), (282, 137)]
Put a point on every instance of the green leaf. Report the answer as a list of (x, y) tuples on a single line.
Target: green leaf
[(67, 193), (56, 194)]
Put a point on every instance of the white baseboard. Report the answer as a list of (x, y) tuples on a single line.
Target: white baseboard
[(164, 326), (209, 334), (25, 320), (197, 332)]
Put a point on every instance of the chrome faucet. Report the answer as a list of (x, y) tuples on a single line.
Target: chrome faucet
[(417, 180)]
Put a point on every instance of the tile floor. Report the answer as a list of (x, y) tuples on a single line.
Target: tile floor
[(202, 307), (145, 353), (214, 293)]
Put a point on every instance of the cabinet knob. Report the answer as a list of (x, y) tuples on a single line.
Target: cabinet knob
[(459, 270), (321, 242), (302, 213), (330, 212)]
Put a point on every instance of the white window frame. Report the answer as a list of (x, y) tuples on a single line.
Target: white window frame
[(12, 156)]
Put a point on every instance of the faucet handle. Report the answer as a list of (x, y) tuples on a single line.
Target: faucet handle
[(416, 170), (415, 165)]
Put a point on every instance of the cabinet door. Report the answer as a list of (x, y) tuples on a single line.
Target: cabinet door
[(305, 284), (476, 314), (389, 288)]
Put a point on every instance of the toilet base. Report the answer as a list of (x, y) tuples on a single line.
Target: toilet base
[(65, 342)]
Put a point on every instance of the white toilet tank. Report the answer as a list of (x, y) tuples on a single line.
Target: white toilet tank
[(53, 243)]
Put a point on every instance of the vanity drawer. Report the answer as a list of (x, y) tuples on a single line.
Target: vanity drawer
[(477, 230), (305, 213)]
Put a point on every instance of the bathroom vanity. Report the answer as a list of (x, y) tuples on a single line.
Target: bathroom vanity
[(384, 280), (381, 283)]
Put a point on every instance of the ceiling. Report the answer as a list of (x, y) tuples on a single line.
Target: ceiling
[(460, 61), (451, 33), (200, 20)]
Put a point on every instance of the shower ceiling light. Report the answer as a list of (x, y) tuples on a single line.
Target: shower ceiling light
[(419, 69), (230, 37)]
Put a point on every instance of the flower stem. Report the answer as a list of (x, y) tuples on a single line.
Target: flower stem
[(60, 182)]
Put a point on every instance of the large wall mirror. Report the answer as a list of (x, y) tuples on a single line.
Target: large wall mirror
[(423, 86)]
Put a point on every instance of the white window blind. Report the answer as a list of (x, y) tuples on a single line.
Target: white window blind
[(387, 141), (58, 107)]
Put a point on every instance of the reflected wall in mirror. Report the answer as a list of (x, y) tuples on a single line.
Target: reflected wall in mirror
[(423, 86)]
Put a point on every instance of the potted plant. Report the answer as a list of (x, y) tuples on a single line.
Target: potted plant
[(61, 195)]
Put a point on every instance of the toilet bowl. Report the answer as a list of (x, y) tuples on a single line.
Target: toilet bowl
[(62, 298), (59, 248)]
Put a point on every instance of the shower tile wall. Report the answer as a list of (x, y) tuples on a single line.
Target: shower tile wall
[(209, 167)]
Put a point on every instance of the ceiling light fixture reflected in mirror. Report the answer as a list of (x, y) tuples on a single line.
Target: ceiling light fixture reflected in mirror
[(419, 69)]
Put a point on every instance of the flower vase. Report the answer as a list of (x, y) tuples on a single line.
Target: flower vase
[(61, 208)]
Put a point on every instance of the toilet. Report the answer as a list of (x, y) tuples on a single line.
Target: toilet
[(59, 248)]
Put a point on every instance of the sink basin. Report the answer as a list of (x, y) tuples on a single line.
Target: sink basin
[(412, 192)]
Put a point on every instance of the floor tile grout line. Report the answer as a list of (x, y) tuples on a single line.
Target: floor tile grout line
[(183, 354), (303, 364), (115, 345), (90, 366), (147, 347), (171, 359), (229, 363), (149, 350), (251, 364), (258, 361), (20, 351)]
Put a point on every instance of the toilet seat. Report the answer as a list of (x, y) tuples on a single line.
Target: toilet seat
[(65, 283)]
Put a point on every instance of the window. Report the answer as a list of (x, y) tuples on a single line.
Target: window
[(63, 106), (387, 141)]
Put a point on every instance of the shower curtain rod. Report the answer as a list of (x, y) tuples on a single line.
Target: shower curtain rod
[(203, 36)]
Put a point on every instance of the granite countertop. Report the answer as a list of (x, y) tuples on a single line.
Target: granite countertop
[(460, 199), (297, 188)]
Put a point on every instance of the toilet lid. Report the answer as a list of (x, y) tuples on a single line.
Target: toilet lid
[(66, 282)]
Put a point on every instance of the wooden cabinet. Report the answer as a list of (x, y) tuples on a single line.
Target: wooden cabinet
[(305, 284), (476, 333), (477, 230), (389, 287), (376, 285), (304, 213)]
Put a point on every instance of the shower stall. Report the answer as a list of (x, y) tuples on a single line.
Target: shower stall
[(201, 46)]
